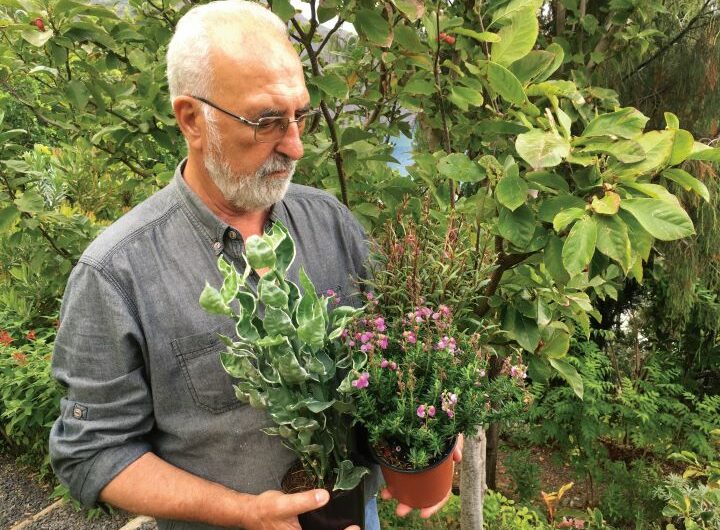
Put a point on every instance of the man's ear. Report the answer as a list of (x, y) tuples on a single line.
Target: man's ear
[(190, 120)]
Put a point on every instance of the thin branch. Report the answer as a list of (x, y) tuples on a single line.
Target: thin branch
[(438, 87), (163, 13), (126, 161), (330, 34), (672, 42)]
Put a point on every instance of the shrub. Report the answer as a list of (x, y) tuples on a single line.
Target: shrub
[(29, 397), (524, 473)]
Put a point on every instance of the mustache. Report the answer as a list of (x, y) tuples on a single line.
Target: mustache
[(279, 162)]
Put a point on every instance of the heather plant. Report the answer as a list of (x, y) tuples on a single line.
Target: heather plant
[(524, 473), (425, 382), (288, 361)]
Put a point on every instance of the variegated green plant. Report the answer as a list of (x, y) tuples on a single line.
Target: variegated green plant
[(287, 359)]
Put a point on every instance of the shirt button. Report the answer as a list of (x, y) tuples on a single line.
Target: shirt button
[(217, 245), (232, 234)]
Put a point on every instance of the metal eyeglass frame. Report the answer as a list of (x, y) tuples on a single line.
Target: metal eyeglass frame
[(255, 125)]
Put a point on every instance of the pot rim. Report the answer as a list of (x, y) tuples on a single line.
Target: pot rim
[(442, 459)]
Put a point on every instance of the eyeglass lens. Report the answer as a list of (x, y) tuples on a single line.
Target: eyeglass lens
[(274, 128)]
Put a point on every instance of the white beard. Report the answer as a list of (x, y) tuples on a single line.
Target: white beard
[(247, 192)]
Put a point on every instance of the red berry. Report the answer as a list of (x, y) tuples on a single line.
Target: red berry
[(442, 35), (38, 22), (449, 39)]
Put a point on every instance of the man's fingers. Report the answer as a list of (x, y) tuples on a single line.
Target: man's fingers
[(386, 495), (402, 509), (458, 452), (353, 528), (427, 512), (292, 504)]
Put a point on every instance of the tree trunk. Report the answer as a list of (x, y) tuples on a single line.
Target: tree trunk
[(492, 439), (472, 482)]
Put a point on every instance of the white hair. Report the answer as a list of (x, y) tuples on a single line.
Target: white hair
[(218, 25)]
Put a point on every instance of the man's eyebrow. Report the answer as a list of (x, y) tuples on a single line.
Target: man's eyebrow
[(275, 112)]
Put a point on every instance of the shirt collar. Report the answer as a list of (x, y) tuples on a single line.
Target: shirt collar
[(211, 226)]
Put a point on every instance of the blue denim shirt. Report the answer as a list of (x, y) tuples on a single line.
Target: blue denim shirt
[(140, 358)]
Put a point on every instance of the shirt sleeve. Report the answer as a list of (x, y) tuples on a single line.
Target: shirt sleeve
[(107, 411)]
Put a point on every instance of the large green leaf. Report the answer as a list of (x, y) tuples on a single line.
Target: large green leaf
[(283, 9), (30, 202), (212, 302), (625, 123), (663, 220), (517, 226), (542, 148), (517, 38), (626, 151), (613, 240), (332, 84), (565, 217), (465, 97), (532, 65), (260, 254), (687, 181), (349, 475), (458, 166), (522, 329), (552, 206), (552, 259), (682, 146), (36, 37), (579, 245), (557, 345), (8, 216), (413, 9), (513, 7), (511, 191), (484, 36), (658, 146), (373, 26), (505, 83), (568, 372)]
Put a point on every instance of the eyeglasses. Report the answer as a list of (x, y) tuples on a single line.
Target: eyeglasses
[(267, 130)]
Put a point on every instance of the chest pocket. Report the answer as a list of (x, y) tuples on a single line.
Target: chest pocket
[(209, 384)]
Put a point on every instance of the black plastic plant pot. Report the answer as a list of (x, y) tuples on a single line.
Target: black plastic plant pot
[(345, 508)]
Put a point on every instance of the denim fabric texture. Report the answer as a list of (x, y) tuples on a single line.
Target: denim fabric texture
[(140, 358)]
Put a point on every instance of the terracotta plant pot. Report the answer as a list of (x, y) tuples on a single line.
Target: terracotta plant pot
[(345, 508), (420, 488)]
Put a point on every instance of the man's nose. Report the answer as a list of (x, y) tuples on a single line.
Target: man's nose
[(291, 144)]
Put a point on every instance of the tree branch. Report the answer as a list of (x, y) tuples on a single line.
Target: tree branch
[(672, 42), (330, 34)]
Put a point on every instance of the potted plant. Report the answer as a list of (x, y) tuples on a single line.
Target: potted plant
[(288, 360), (425, 381)]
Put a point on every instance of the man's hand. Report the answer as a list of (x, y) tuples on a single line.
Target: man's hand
[(274, 510), (403, 509)]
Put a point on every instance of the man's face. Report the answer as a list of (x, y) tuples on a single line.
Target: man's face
[(251, 175)]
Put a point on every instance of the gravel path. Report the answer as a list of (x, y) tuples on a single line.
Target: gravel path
[(22, 496)]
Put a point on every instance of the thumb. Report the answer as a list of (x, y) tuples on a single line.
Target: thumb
[(292, 504)]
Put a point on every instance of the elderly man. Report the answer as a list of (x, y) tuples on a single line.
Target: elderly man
[(150, 422)]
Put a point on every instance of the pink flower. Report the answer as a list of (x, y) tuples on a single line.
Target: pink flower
[(518, 372), (380, 324), (330, 293), (384, 363), (370, 296), (366, 337), (362, 381), (445, 310), (383, 342), (351, 343), (431, 411), (393, 365), (421, 411), (365, 348), (435, 316), (410, 337)]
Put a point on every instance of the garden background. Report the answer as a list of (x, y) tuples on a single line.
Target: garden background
[(593, 245)]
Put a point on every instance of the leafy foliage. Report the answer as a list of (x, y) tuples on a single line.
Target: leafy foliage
[(288, 361)]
